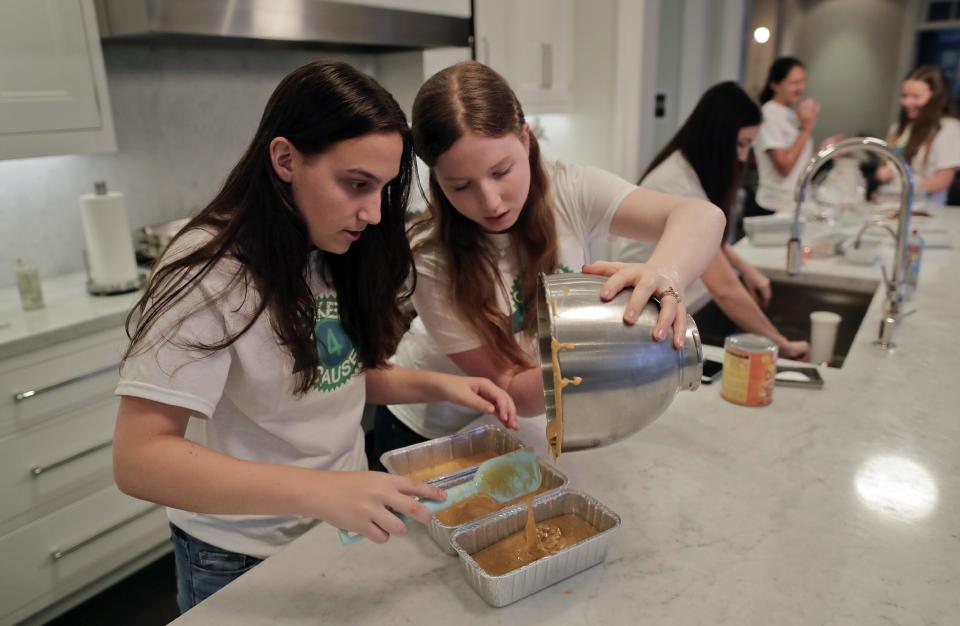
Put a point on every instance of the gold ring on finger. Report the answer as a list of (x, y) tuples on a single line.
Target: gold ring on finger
[(669, 291)]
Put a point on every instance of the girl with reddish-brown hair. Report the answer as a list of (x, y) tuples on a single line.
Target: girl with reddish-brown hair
[(499, 215)]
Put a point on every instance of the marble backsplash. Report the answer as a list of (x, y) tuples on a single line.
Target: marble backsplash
[(183, 115)]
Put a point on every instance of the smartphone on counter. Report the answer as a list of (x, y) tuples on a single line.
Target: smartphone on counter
[(711, 371)]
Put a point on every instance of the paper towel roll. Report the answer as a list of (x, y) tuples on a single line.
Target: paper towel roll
[(110, 256)]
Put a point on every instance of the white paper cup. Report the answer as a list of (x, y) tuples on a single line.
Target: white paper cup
[(823, 335)]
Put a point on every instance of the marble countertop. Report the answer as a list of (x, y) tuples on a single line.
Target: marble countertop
[(69, 312), (833, 506)]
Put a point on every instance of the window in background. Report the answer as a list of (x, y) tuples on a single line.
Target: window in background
[(942, 48), (941, 10)]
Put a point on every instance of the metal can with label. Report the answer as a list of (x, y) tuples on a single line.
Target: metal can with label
[(749, 369)]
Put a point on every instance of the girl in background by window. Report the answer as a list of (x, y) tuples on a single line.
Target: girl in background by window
[(927, 135)]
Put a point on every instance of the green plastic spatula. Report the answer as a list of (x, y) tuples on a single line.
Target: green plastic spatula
[(503, 478)]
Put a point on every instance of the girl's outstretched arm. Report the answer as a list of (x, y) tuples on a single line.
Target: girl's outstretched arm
[(153, 461)]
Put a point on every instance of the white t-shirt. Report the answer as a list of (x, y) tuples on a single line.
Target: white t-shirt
[(944, 153), (585, 200), (242, 397), (778, 131), (677, 177)]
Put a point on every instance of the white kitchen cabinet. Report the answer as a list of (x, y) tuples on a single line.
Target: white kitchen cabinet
[(530, 42), (66, 551), (66, 532), (53, 88), (402, 73), (47, 383)]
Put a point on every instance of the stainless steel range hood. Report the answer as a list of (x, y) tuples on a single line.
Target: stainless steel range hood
[(310, 21)]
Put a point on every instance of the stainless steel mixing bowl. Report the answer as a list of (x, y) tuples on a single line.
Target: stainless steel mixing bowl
[(628, 379)]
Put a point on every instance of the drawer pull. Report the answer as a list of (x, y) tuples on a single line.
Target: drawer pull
[(33, 393), (62, 552), (37, 470)]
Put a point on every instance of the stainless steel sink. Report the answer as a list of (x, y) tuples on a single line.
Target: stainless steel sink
[(793, 301)]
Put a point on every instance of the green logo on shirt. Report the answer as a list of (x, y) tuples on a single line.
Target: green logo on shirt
[(520, 308), (338, 360)]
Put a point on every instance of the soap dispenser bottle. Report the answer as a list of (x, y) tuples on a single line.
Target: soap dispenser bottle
[(28, 284)]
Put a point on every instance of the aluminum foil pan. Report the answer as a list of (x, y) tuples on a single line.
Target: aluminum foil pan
[(529, 579), (488, 438), (552, 479)]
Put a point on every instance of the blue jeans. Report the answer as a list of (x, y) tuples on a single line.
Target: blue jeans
[(203, 569), (389, 433)]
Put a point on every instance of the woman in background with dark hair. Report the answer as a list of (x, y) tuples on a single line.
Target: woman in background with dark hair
[(270, 319), (705, 160), (785, 141), (927, 134)]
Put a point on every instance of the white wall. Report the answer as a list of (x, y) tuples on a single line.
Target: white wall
[(626, 52), (638, 41), (760, 56), (669, 51), (852, 49), (732, 34), (713, 42), (183, 116), (585, 134), (702, 42), (402, 73)]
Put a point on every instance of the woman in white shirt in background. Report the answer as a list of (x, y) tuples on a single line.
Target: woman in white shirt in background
[(927, 135), (784, 144), (705, 160), (499, 215)]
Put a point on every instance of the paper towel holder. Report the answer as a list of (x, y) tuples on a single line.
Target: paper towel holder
[(115, 289), (112, 289)]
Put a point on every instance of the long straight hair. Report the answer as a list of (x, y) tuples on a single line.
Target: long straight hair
[(471, 97), (254, 220), (925, 127), (708, 141), (778, 71)]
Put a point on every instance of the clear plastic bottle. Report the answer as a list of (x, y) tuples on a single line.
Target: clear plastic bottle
[(28, 284), (915, 245)]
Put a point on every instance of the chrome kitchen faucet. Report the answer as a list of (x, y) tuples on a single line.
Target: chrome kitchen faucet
[(896, 285)]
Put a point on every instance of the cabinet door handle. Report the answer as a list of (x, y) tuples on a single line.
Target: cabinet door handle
[(485, 49), (36, 470), (59, 553), (33, 393), (546, 65)]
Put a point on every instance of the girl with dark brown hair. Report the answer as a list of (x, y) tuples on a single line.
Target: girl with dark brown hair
[(927, 134), (704, 159), (499, 214), (267, 325)]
